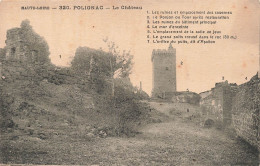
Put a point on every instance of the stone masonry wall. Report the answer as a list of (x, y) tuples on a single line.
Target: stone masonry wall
[(238, 106), (245, 111), (25, 45), (217, 104)]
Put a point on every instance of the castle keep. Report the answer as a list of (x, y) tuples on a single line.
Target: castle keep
[(164, 72)]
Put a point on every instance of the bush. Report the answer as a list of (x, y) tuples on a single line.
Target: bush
[(125, 109)]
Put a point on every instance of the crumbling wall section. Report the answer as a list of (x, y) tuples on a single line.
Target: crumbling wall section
[(186, 97), (25, 45), (212, 105), (217, 104)]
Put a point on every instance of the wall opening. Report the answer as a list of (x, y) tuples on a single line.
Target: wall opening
[(13, 52)]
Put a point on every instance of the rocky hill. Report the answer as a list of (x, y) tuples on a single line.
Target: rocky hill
[(42, 102)]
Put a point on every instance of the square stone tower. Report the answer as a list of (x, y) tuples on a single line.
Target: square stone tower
[(16, 47), (164, 72)]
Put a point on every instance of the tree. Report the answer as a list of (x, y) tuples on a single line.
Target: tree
[(122, 67)]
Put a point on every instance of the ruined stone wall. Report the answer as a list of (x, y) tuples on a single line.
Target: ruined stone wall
[(25, 45), (66, 76), (245, 111), (164, 72), (14, 71), (217, 105), (212, 105), (186, 97)]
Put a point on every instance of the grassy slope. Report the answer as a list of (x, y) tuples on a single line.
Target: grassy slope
[(50, 119), (49, 113)]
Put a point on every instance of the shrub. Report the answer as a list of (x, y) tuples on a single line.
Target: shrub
[(125, 109)]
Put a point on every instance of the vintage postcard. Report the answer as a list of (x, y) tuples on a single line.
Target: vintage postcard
[(129, 82)]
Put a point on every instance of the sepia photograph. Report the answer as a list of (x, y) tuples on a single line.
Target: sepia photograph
[(130, 82)]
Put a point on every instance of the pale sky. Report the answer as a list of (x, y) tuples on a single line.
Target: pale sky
[(204, 65)]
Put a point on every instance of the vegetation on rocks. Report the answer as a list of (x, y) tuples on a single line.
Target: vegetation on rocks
[(81, 93)]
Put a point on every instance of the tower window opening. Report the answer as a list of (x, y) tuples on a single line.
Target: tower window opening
[(13, 51)]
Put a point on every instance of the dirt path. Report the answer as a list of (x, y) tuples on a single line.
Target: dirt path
[(178, 143), (174, 142), (171, 142)]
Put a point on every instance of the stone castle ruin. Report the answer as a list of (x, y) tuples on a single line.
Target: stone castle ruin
[(24, 45), (164, 72), (218, 102), (25, 56), (16, 48), (236, 107)]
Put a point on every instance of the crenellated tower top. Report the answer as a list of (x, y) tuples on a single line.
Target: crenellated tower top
[(170, 51)]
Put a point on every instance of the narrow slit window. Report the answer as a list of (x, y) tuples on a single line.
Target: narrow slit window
[(13, 52)]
